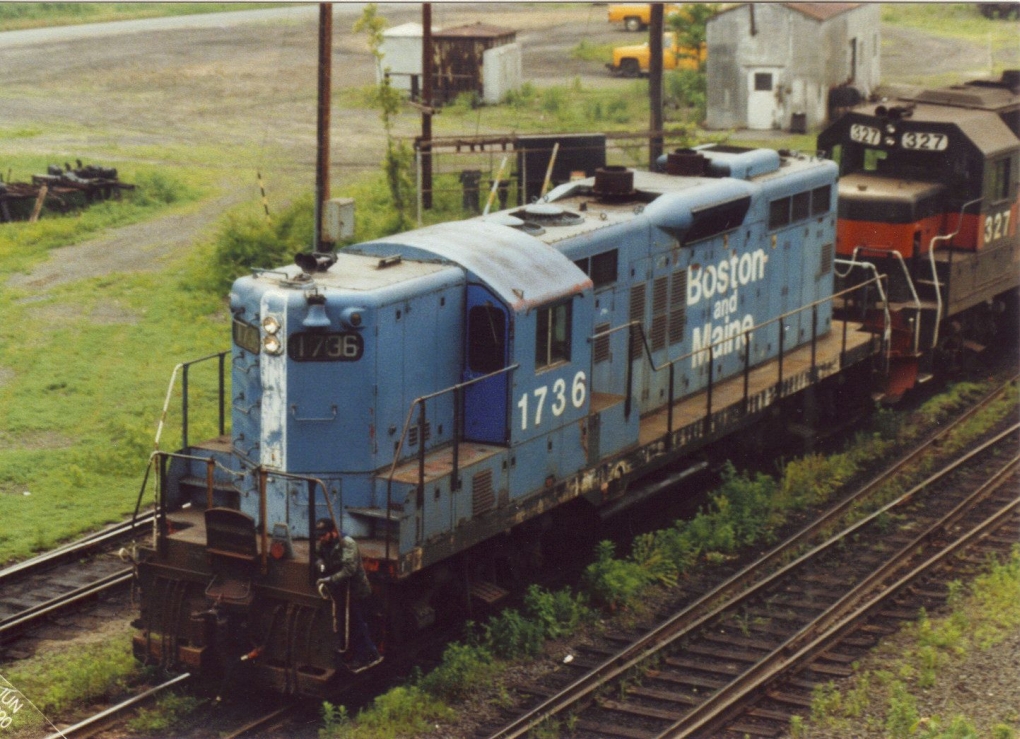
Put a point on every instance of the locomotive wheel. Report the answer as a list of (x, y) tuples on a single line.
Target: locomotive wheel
[(632, 23), (630, 68)]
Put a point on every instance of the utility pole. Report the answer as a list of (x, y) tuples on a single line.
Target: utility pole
[(655, 84), (426, 102), (322, 127)]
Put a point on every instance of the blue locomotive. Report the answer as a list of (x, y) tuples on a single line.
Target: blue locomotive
[(456, 396)]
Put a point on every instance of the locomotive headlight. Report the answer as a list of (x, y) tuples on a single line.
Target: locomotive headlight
[(271, 325), (890, 141), (890, 128), (272, 345)]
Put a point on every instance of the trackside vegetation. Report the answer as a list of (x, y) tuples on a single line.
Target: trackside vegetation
[(888, 691), (746, 512)]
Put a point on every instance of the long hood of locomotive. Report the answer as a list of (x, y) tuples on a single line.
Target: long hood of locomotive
[(328, 365)]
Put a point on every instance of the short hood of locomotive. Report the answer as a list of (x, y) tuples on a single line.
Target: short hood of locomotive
[(307, 363)]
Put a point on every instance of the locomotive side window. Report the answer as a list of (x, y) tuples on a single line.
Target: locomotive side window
[(998, 187), (712, 220), (552, 341), (762, 81), (779, 213), (486, 339), (820, 198), (601, 268), (801, 205)]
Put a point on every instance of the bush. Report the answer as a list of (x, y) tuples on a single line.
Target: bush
[(464, 669), (160, 188), (510, 635), (245, 242), (615, 583), (688, 89), (557, 613)]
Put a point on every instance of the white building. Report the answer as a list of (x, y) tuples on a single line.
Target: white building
[(774, 65)]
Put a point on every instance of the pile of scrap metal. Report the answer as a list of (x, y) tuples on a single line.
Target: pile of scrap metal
[(60, 189)]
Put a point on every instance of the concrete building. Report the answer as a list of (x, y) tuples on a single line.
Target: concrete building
[(784, 65)]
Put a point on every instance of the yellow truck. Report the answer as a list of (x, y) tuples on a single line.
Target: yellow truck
[(635, 17), (632, 61)]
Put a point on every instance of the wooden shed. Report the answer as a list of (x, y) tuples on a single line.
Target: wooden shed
[(476, 58)]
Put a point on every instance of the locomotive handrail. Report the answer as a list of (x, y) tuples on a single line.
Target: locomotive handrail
[(879, 280), (264, 474), (420, 402), (184, 367), (906, 274), (949, 272), (710, 349)]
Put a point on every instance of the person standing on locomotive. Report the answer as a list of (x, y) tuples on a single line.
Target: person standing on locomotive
[(340, 563)]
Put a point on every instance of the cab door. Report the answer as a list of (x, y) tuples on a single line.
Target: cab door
[(487, 350)]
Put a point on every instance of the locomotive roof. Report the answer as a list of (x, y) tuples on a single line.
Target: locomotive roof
[(864, 186), (983, 96), (521, 269), (982, 127)]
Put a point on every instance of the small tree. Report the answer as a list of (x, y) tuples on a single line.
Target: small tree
[(689, 86), (397, 160)]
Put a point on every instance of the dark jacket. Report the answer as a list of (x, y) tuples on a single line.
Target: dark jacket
[(342, 561)]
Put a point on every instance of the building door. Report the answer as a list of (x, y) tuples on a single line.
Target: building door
[(487, 351), (761, 99)]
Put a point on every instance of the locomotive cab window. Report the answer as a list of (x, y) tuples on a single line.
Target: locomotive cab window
[(999, 180), (601, 268), (552, 336), (779, 213), (486, 339)]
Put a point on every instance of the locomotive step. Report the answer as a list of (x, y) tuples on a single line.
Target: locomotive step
[(202, 483), (378, 514)]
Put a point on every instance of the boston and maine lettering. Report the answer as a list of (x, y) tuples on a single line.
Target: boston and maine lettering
[(726, 332)]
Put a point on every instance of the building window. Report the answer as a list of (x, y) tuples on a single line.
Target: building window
[(552, 337), (763, 81)]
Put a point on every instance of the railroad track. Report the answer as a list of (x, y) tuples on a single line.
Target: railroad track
[(732, 645), (108, 717), (64, 577)]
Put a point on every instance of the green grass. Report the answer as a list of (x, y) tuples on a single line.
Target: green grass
[(953, 20), (58, 681), (18, 16)]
